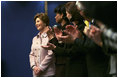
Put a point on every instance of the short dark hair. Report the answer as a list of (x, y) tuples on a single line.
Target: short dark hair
[(43, 17), (72, 9), (61, 10)]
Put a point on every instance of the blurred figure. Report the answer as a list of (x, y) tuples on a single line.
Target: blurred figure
[(61, 60), (77, 65), (106, 20), (41, 60), (108, 41), (97, 67), (60, 49), (106, 9)]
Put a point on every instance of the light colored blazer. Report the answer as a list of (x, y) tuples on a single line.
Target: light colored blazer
[(41, 57)]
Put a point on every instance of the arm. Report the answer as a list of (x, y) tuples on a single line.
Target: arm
[(86, 45), (109, 39), (32, 61), (31, 57), (54, 45), (47, 60), (62, 51)]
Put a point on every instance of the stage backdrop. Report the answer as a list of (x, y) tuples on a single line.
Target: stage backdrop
[(17, 32)]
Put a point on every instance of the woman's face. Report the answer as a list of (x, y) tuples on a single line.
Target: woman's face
[(40, 25), (68, 15)]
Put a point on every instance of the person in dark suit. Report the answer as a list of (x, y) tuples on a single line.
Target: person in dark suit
[(61, 59)]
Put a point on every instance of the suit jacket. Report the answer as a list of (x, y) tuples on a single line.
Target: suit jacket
[(41, 57), (97, 61), (61, 59)]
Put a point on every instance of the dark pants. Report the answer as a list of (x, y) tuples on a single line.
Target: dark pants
[(60, 70)]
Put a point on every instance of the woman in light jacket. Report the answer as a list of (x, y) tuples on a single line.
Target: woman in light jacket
[(41, 60)]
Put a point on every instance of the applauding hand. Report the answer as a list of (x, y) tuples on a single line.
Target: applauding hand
[(72, 34), (58, 32)]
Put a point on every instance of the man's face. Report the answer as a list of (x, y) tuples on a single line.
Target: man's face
[(58, 18)]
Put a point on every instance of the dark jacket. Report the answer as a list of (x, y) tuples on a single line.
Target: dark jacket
[(61, 60), (75, 61), (97, 60)]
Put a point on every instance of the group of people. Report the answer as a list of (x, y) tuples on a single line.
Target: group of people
[(83, 45)]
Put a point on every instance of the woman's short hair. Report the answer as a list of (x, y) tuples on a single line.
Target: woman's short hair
[(61, 10), (43, 17)]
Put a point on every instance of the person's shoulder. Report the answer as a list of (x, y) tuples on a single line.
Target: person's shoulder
[(35, 37)]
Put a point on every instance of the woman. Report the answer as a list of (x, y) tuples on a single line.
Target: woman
[(41, 60), (77, 65)]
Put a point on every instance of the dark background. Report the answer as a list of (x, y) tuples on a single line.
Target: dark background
[(17, 32)]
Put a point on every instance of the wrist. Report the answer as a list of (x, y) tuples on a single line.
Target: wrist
[(54, 47), (33, 67)]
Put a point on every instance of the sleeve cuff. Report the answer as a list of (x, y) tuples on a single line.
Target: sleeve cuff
[(41, 68), (33, 67)]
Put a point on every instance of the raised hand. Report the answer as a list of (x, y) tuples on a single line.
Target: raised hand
[(58, 32), (50, 33), (72, 34), (73, 30), (95, 35), (70, 29), (86, 31)]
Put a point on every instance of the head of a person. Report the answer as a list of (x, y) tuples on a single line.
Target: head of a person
[(41, 21), (60, 13), (83, 11), (73, 14), (104, 11)]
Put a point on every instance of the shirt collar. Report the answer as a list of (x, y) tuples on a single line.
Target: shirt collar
[(43, 35)]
